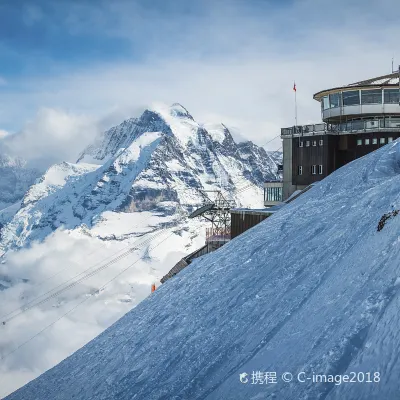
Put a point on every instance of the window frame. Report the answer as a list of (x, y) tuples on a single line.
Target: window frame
[(321, 142), (390, 93), (367, 142), (382, 140), (374, 140), (273, 194), (325, 103), (307, 143), (300, 170), (333, 96), (320, 169), (314, 143), (313, 170), (359, 142), (344, 98), (300, 143), (368, 92)]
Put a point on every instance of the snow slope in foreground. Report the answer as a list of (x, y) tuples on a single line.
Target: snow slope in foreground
[(314, 288)]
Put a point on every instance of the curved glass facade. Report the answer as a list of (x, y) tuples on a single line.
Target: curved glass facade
[(360, 97)]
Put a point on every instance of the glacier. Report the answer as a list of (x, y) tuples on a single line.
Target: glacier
[(314, 289)]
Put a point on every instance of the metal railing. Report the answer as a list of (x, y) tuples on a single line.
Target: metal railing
[(345, 127), (218, 234)]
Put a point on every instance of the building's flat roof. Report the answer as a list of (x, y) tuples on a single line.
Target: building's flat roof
[(268, 210)]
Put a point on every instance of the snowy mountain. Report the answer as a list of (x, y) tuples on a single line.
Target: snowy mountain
[(102, 230), (314, 289), (158, 160)]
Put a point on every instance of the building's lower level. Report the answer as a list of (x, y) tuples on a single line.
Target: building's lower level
[(310, 156)]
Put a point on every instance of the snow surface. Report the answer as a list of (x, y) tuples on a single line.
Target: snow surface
[(314, 288)]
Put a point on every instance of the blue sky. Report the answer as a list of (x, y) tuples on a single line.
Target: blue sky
[(225, 60), (39, 37)]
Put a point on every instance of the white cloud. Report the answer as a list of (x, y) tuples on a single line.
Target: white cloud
[(3, 133), (69, 255), (53, 136)]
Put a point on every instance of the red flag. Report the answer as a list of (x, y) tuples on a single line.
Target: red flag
[(294, 86)]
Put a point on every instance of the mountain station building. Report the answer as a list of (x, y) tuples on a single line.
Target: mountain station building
[(356, 120)]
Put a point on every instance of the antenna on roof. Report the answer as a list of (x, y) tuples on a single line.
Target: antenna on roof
[(392, 64)]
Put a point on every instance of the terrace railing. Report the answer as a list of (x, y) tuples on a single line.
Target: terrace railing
[(345, 127)]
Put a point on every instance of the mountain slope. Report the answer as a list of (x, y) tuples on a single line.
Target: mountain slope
[(314, 288)]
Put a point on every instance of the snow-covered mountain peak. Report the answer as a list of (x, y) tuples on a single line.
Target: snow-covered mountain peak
[(163, 157), (181, 124), (178, 110)]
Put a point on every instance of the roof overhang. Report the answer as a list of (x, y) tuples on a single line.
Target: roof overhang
[(318, 96), (389, 81)]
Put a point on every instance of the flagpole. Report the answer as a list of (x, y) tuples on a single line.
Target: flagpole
[(295, 103)]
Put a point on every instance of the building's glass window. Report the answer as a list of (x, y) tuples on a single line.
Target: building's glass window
[(374, 141), (366, 141), (272, 194), (390, 139), (371, 96), (393, 123), (357, 125), (314, 169), (391, 96), (301, 143), (320, 169), (325, 102), (307, 143), (351, 98), (314, 143), (334, 100), (359, 142), (300, 170), (321, 142), (382, 140)]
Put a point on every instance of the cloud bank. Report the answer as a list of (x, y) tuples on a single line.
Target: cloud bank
[(43, 267)]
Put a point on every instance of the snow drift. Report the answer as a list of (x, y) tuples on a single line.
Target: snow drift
[(314, 288)]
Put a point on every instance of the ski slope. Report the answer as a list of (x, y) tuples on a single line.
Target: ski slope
[(314, 288)]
